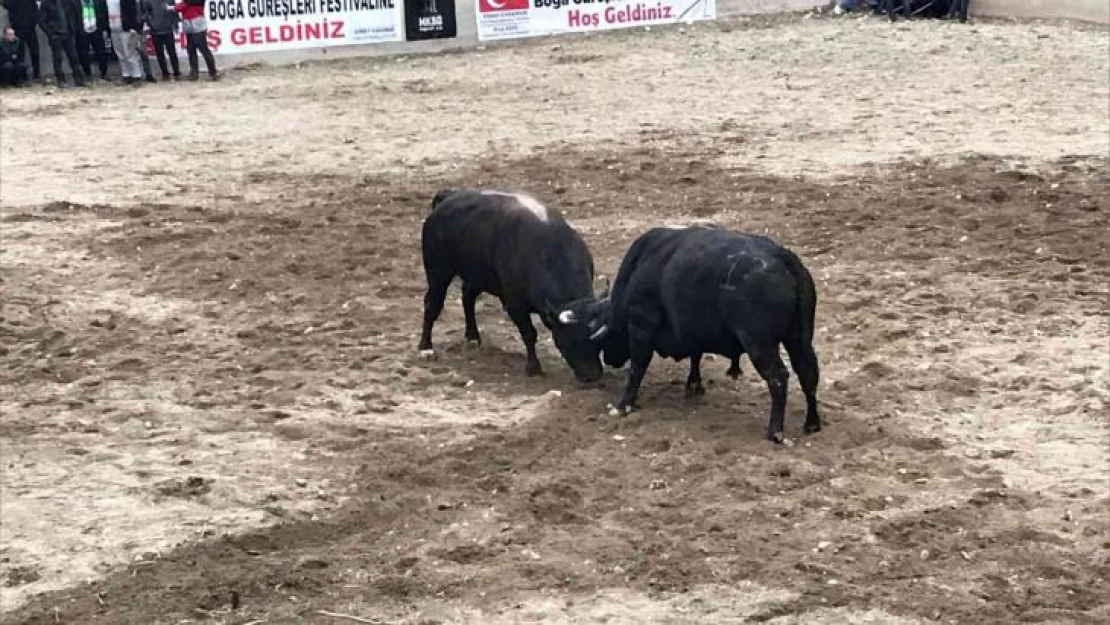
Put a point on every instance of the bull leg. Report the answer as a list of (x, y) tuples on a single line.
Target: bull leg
[(771, 368), (804, 361), (469, 300), (523, 319), (641, 353), (694, 386), (734, 368), (438, 282)]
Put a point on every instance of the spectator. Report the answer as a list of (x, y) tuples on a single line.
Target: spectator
[(92, 16), (196, 37), (54, 20), (123, 20), (13, 73), (144, 58), (24, 16), (163, 28)]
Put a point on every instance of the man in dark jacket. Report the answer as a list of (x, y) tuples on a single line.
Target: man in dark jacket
[(13, 72), (90, 23), (54, 20), (24, 15), (163, 20)]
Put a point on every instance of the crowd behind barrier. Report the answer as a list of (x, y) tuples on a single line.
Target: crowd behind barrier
[(127, 33)]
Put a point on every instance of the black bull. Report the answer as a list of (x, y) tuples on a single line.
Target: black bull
[(511, 246), (685, 292)]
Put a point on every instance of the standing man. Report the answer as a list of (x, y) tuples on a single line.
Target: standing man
[(196, 37), (123, 20), (91, 24), (54, 20), (24, 16), (163, 21)]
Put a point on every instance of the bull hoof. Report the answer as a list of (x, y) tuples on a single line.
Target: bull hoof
[(733, 372), (533, 370), (812, 427), (693, 391), (620, 409), (473, 343), (428, 354), (776, 437)]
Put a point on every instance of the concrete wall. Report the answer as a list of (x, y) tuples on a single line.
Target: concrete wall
[(1087, 10)]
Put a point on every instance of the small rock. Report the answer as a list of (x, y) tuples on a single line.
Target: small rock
[(833, 582), (301, 482), (555, 393), (823, 545), (618, 437), (965, 555), (924, 554), (1068, 516), (657, 485), (469, 383), (971, 452)]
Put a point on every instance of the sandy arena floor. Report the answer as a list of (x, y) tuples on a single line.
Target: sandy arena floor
[(213, 410)]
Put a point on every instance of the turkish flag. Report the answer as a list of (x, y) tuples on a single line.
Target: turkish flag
[(496, 6)]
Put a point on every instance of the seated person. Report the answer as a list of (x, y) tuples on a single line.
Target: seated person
[(12, 70)]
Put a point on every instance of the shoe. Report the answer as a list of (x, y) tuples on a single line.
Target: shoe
[(151, 79), (214, 77)]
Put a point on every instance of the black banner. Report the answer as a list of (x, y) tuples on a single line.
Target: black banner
[(429, 19)]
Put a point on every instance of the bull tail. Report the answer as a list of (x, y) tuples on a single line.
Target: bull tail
[(805, 304)]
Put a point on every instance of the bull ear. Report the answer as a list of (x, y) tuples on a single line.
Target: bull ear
[(600, 333), (567, 318)]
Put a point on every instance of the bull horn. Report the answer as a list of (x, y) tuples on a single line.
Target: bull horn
[(600, 334), (567, 318)]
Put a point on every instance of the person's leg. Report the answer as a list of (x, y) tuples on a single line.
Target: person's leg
[(100, 48), (7, 75), (118, 41), (56, 53), (160, 52), (30, 40), (171, 50), (144, 59), (70, 49), (209, 60), (82, 41), (191, 50)]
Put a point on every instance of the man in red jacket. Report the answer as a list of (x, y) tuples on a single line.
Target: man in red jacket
[(196, 37)]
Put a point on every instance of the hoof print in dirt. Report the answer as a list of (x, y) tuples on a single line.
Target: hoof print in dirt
[(191, 486), (21, 576)]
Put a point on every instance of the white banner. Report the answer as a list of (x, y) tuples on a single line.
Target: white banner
[(510, 19), (244, 26)]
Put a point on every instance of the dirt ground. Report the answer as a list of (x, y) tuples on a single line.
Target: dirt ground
[(214, 412)]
